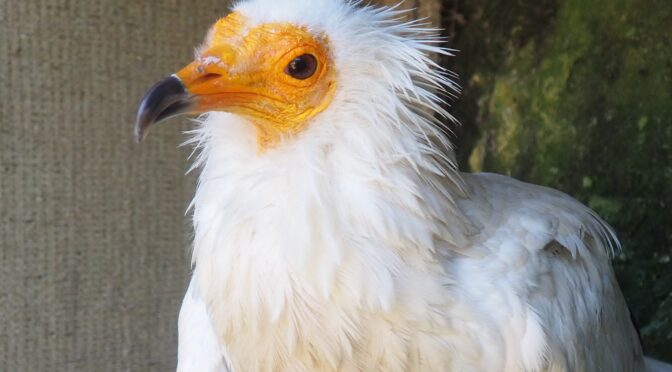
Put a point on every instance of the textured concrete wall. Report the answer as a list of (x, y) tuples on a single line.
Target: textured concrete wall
[(93, 242)]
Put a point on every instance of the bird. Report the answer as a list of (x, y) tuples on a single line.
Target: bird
[(333, 230)]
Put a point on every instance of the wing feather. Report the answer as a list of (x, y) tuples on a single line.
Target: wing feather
[(550, 257)]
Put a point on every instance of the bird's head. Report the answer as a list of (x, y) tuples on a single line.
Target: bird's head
[(281, 64)]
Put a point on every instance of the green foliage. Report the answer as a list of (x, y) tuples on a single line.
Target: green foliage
[(577, 95)]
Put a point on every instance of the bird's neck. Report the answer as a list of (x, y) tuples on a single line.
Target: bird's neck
[(319, 221)]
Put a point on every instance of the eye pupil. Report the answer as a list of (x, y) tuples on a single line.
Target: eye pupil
[(302, 67)]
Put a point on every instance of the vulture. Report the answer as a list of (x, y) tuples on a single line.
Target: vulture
[(333, 230)]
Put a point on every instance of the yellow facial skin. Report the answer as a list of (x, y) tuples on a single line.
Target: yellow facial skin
[(244, 71)]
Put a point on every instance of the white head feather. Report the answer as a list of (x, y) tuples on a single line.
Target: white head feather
[(351, 207)]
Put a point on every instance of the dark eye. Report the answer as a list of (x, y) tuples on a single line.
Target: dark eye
[(302, 67)]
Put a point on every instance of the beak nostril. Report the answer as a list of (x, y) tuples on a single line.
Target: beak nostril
[(205, 78)]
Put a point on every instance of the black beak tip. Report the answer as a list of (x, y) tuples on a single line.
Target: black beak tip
[(164, 100), (138, 132)]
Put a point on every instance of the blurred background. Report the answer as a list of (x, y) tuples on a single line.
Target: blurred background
[(94, 244)]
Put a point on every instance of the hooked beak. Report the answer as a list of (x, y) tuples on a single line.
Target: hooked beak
[(167, 99)]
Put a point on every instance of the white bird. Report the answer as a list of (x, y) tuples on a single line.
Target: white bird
[(333, 231)]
